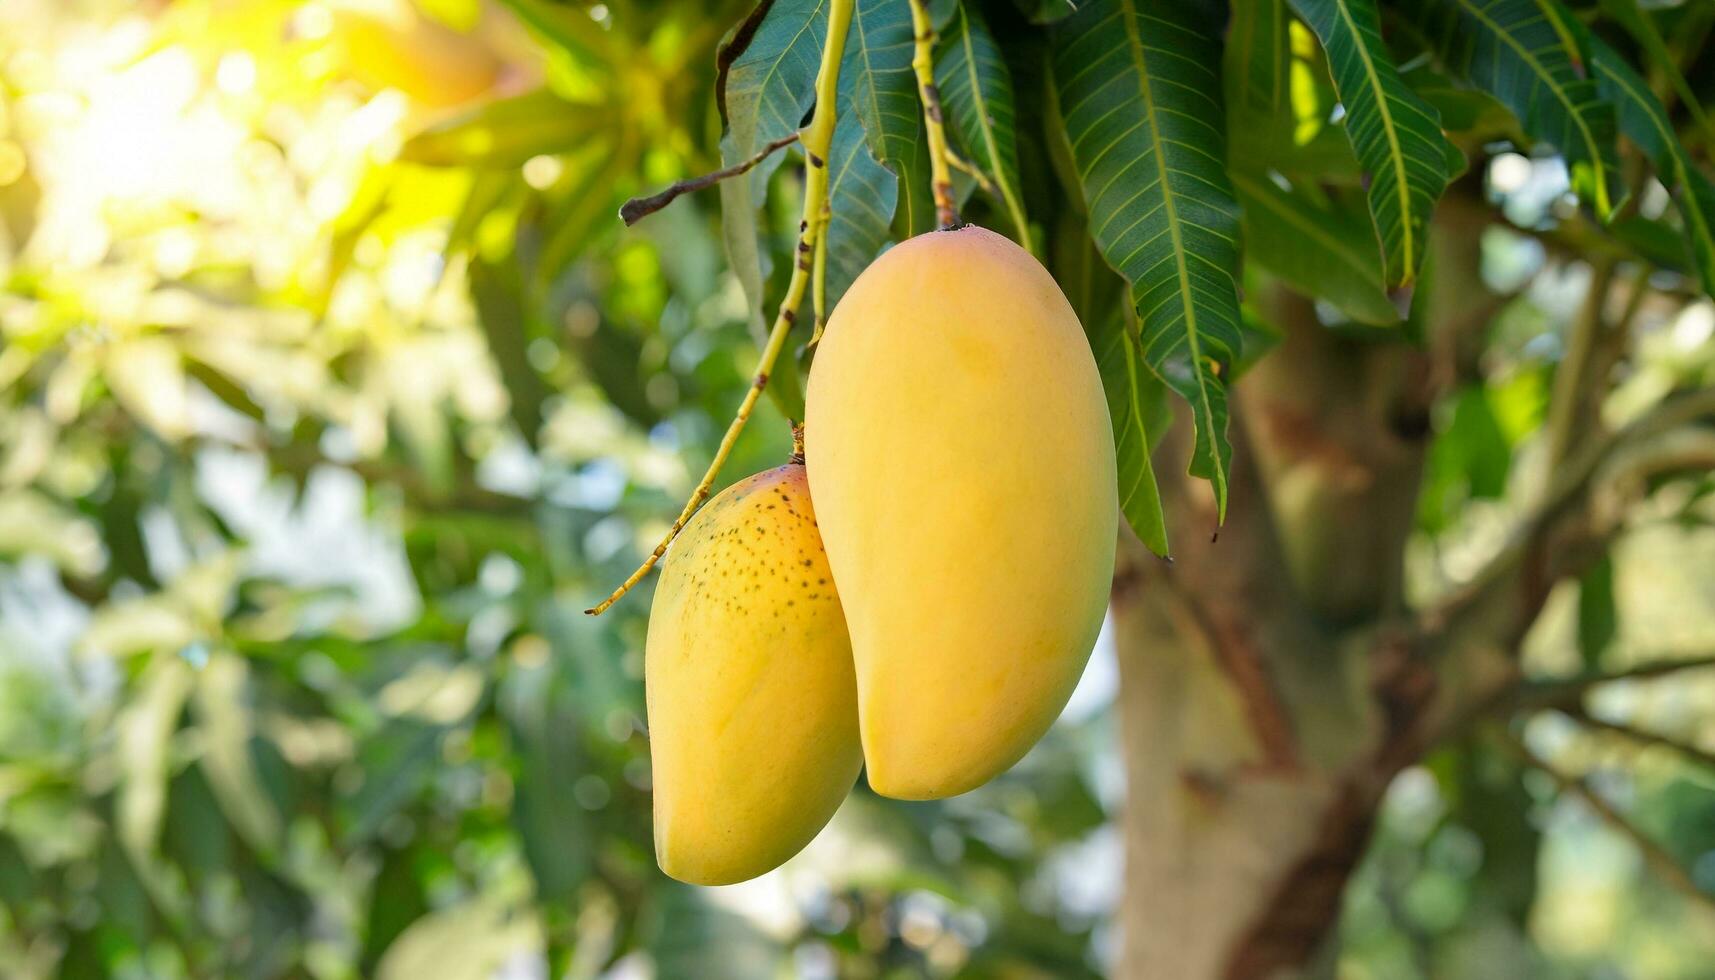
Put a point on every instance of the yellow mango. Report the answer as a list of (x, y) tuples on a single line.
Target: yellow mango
[(962, 460), (748, 677)]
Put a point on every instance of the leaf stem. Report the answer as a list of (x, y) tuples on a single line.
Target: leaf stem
[(923, 63), (816, 138)]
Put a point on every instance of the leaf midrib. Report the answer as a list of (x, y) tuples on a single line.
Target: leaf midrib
[(1135, 42), (980, 100), (1396, 154)]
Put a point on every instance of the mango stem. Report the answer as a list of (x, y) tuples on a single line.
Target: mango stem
[(816, 138), (923, 63)]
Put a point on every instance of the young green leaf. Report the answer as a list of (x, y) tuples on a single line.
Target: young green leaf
[(1141, 102), (1646, 123), (1517, 52), (976, 91), (1396, 134)]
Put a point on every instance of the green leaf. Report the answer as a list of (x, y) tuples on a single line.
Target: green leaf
[(1646, 123), (1136, 399), (875, 139), (976, 91), (1396, 134), (1257, 58), (1142, 108), (766, 85), (224, 718), (1638, 24), (470, 941), (877, 82), (507, 132), (861, 198), (1598, 615), (1320, 246), (1518, 51)]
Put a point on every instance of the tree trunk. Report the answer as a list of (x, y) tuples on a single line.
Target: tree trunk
[(1272, 681)]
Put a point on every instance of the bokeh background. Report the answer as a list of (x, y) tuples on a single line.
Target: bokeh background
[(332, 391)]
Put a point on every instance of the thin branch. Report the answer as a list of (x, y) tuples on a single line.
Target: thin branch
[(1574, 388), (638, 208), (1567, 694), (923, 63), (976, 172), (817, 138), (1659, 860), (1570, 484), (1694, 753)]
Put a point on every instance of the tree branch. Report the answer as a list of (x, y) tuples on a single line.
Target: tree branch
[(1568, 693), (1694, 753), (638, 208), (923, 63), (1526, 561), (1659, 860), (1574, 386)]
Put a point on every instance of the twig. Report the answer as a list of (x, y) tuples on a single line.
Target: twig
[(1655, 856), (817, 137), (923, 63), (1569, 483), (1696, 754), (976, 172), (638, 208), (1573, 386), (1566, 694)]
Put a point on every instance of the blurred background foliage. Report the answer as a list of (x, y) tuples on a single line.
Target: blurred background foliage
[(332, 391)]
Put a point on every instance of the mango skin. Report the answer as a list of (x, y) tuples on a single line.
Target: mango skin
[(962, 460), (748, 677)]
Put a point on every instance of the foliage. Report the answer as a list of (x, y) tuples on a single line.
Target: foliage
[(331, 392)]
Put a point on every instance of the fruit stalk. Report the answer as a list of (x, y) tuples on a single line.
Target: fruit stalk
[(816, 138), (923, 63)]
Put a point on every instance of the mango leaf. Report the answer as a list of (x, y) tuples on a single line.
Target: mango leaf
[(224, 718), (1645, 122), (875, 139), (861, 198), (1318, 245), (1257, 58), (471, 941), (1141, 105), (506, 132), (877, 82), (765, 86), (1632, 16), (976, 92), (1598, 614), (1518, 52), (1396, 134)]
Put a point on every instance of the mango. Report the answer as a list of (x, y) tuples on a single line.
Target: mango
[(752, 703), (962, 461)]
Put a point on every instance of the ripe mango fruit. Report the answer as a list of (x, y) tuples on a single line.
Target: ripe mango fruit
[(962, 461), (748, 677)]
